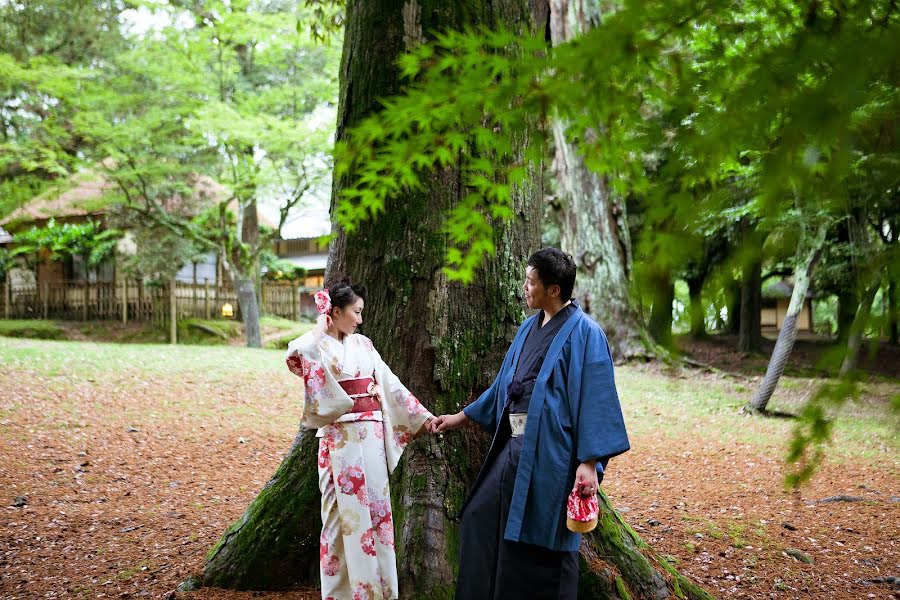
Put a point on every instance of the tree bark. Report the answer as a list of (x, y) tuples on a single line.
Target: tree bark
[(444, 340), (750, 327), (592, 219), (788, 333)]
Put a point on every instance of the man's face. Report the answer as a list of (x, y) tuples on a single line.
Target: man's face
[(537, 295)]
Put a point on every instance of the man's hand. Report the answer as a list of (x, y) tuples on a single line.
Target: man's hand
[(447, 422), (586, 478)]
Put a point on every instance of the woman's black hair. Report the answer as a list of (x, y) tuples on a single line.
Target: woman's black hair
[(345, 292)]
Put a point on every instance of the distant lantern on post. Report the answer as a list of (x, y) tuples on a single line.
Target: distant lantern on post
[(227, 310)]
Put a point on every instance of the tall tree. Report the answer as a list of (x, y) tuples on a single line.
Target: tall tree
[(44, 49), (591, 214), (750, 327), (443, 338), (812, 239)]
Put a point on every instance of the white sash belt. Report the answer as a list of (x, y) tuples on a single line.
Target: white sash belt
[(517, 423)]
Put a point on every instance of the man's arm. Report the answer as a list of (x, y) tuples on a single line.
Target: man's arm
[(482, 411)]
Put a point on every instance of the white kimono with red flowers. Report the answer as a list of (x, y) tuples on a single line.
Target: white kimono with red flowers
[(357, 452)]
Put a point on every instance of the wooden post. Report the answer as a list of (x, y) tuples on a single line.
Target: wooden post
[(206, 314), (86, 296), (262, 298), (295, 306), (173, 314), (7, 294), (141, 314), (46, 298), (124, 301)]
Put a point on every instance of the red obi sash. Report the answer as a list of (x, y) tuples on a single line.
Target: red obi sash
[(364, 394)]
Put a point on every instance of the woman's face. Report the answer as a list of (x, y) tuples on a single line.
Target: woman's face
[(347, 319)]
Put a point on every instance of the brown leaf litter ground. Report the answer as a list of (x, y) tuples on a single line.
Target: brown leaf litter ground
[(121, 465)]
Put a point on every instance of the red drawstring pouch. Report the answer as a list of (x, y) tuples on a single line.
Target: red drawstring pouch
[(582, 512)]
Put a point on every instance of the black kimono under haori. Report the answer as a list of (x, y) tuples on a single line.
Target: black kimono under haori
[(553, 406)]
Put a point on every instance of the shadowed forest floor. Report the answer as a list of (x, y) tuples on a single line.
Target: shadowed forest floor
[(121, 465)]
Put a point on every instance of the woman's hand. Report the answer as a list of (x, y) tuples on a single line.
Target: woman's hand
[(323, 324), (447, 422), (586, 479), (429, 424)]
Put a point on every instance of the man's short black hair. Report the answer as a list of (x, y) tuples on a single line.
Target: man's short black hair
[(555, 267)]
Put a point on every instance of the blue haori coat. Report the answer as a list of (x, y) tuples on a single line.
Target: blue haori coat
[(574, 416)]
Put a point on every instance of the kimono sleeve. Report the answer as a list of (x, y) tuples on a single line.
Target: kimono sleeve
[(321, 405), (600, 432), (403, 414)]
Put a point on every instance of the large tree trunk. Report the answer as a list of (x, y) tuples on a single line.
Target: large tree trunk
[(592, 219), (443, 339), (788, 333), (750, 327)]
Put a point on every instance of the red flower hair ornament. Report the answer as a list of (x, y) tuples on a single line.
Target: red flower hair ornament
[(323, 302)]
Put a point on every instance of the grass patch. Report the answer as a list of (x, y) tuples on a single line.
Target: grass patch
[(37, 329), (278, 332), (90, 360), (689, 403), (208, 331)]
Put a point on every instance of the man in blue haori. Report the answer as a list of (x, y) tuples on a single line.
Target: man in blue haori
[(554, 414)]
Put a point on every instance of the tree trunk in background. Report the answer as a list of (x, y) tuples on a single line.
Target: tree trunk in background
[(245, 289), (848, 306), (663, 293), (788, 333), (893, 312), (750, 328), (696, 308), (592, 219), (444, 340), (733, 291), (858, 329), (246, 277)]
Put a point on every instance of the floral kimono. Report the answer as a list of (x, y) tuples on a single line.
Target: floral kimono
[(365, 417)]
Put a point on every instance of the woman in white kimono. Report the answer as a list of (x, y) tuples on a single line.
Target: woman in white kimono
[(365, 417)]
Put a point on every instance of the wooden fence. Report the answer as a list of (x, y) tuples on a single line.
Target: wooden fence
[(135, 300)]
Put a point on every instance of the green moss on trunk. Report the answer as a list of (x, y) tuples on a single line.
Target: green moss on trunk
[(274, 545)]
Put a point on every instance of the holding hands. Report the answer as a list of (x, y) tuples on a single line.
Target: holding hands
[(446, 422)]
